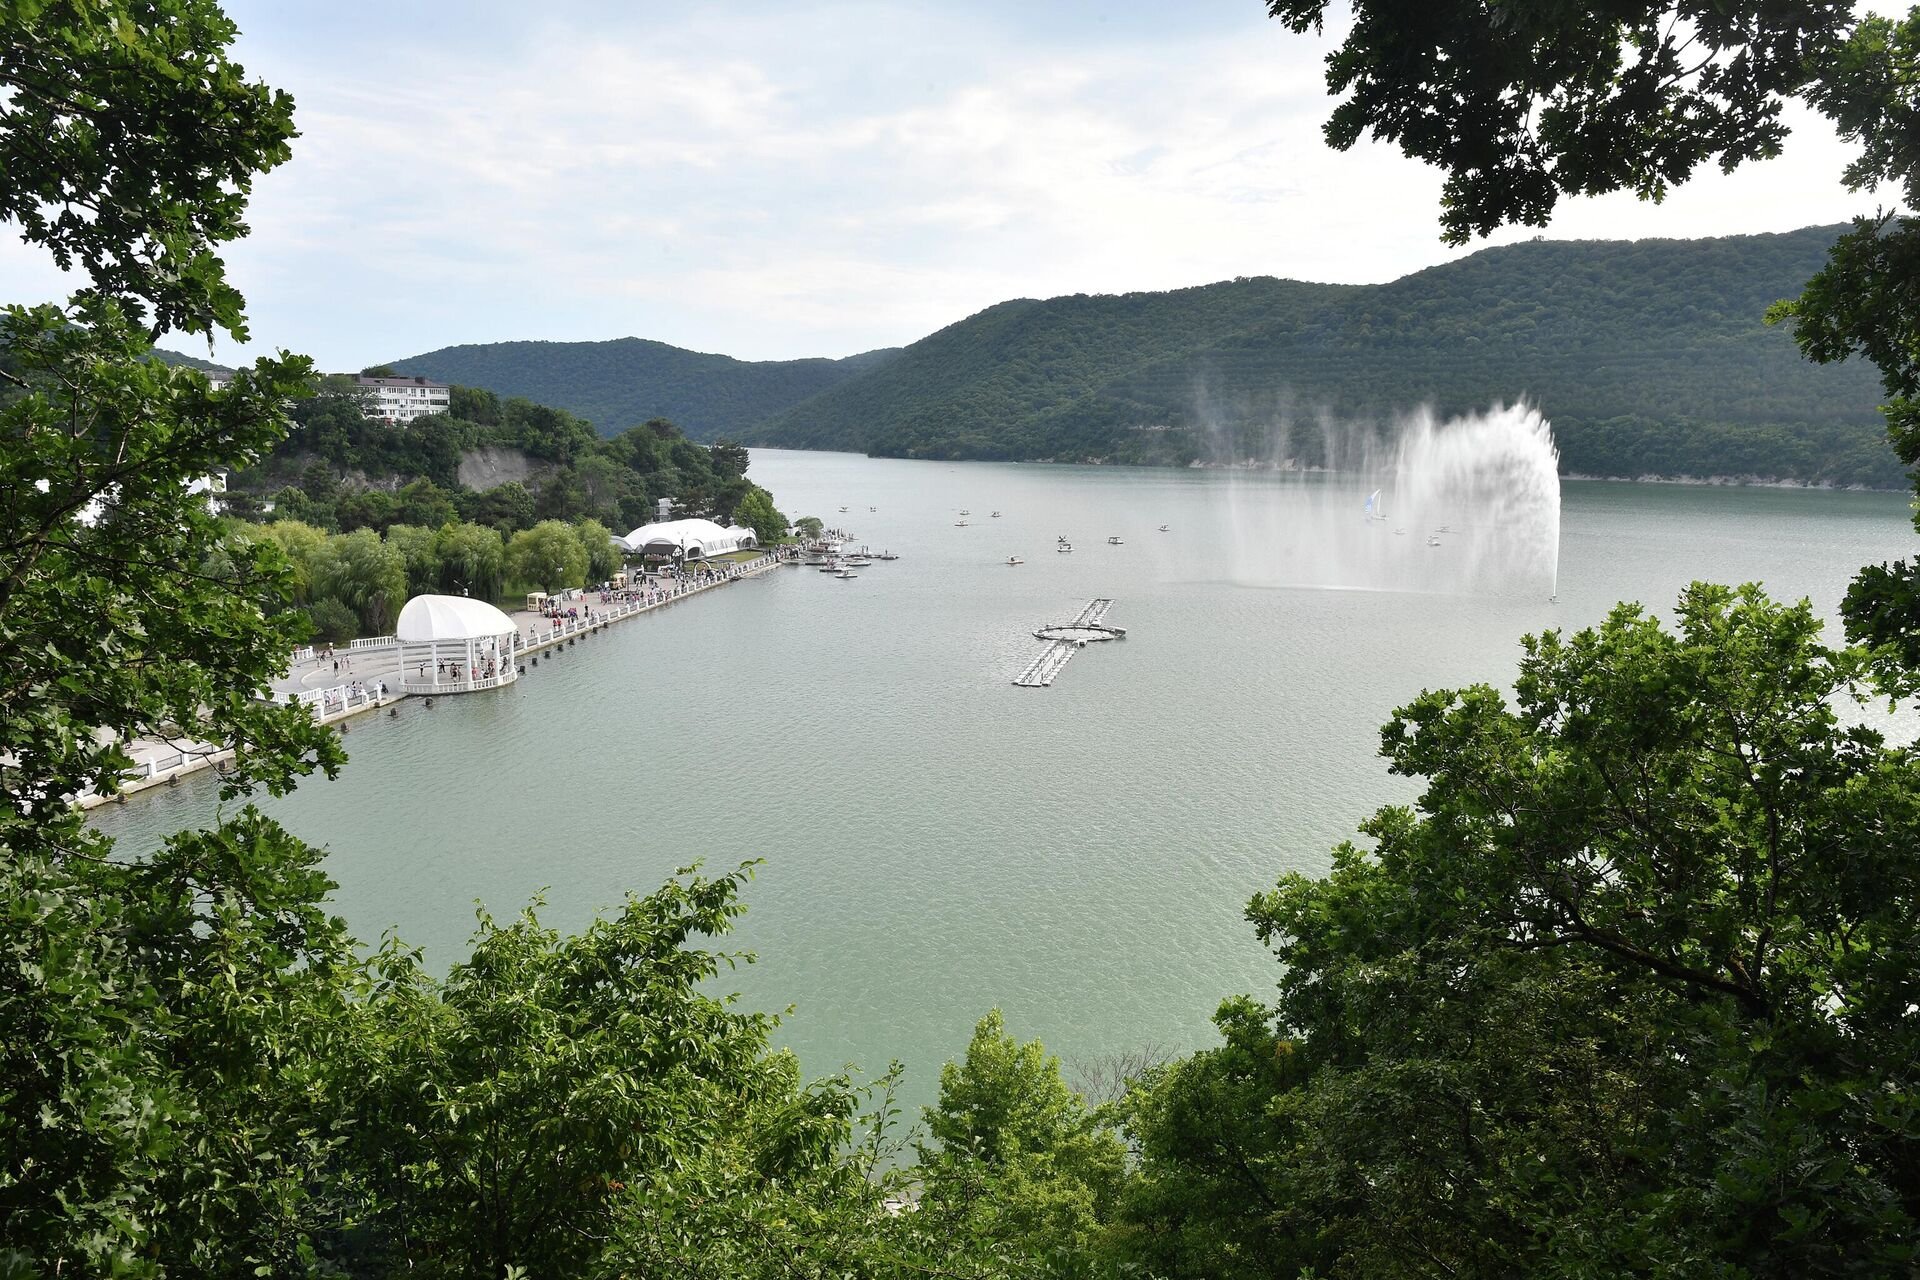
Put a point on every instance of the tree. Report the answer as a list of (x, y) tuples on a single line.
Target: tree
[(130, 145), (365, 574), (416, 548), (756, 511), (472, 560), (304, 548), (547, 556), (148, 1010), (425, 503), (507, 507), (603, 558), (513, 1103), (809, 527), (729, 459), (1016, 1159), (1625, 995)]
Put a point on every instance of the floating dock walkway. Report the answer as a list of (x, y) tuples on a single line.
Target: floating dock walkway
[(1065, 640)]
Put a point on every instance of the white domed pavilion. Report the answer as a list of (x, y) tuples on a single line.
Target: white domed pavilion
[(453, 644)]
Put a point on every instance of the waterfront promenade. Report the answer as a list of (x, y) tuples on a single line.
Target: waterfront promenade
[(347, 680)]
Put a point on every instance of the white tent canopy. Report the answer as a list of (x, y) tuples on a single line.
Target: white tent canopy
[(450, 644), (697, 539), (429, 618)]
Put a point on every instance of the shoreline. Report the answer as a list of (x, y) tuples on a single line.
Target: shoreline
[(160, 762)]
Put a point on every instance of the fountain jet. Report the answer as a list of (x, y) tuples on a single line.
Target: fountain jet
[(1470, 505)]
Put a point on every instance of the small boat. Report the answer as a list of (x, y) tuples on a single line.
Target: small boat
[(858, 564), (1115, 542), (1015, 560), (965, 512), (1163, 528), (833, 566), (873, 508), (886, 555), (1064, 548), (1433, 539), (843, 508), (996, 515), (843, 575), (959, 524)]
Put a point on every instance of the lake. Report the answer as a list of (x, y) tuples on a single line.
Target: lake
[(939, 842)]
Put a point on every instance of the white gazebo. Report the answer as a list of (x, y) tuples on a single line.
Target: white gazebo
[(687, 539), (451, 644)]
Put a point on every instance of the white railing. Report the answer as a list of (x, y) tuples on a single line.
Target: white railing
[(373, 642), (303, 655)]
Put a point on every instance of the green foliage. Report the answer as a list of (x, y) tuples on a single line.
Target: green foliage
[(510, 1105), (756, 511), (809, 526), (333, 621), (548, 557), (1627, 994), (367, 575), (1649, 358), (1518, 104), (125, 603), (129, 111), (472, 558), (603, 558), (1016, 1159), (631, 380), (167, 1022)]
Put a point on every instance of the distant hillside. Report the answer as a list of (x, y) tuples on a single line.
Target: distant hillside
[(165, 356), (628, 381), (1650, 357)]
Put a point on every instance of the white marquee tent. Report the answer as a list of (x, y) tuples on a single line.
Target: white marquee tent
[(693, 539), (451, 644)]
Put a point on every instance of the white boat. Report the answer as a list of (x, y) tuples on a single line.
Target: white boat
[(1015, 560), (1064, 548), (873, 508), (966, 513), (1115, 542), (1163, 528), (1433, 539), (996, 515), (960, 524), (858, 564), (886, 555), (843, 508), (843, 575), (1372, 508)]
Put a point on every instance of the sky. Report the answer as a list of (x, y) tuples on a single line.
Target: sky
[(820, 178)]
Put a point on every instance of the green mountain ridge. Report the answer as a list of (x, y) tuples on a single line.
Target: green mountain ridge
[(628, 381), (1650, 357)]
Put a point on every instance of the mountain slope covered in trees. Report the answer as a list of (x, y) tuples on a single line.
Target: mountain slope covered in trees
[(629, 381), (1650, 357)]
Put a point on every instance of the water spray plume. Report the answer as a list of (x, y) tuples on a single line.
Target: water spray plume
[(1471, 505)]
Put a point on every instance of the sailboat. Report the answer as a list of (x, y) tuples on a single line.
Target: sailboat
[(1372, 509)]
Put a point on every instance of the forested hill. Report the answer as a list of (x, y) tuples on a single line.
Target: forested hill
[(1650, 357), (628, 381)]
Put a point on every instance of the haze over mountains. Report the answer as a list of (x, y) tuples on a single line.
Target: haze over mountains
[(1650, 357)]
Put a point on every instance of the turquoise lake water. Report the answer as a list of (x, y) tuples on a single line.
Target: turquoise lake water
[(939, 842)]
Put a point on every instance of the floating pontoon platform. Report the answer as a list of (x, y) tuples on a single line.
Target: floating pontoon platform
[(1066, 639)]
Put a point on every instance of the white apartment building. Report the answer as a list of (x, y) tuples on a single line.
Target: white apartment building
[(404, 399)]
